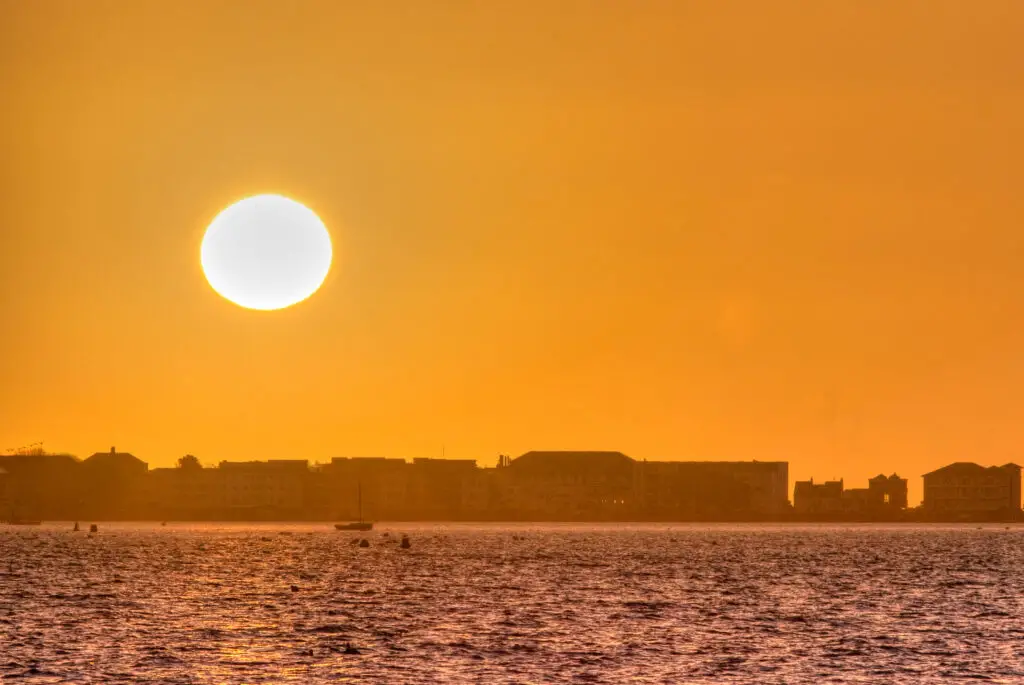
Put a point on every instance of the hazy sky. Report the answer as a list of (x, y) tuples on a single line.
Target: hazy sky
[(687, 230)]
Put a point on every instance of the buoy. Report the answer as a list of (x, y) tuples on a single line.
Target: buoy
[(405, 542), (349, 649), (76, 528), (295, 588), (364, 543), (93, 528)]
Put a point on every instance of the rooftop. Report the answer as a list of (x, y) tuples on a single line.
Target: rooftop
[(969, 467), (113, 458), (570, 459)]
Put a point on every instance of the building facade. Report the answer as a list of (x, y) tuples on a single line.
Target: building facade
[(888, 491), (712, 489), (967, 490), (538, 486), (115, 486), (43, 486), (810, 498), (378, 486), (568, 485), (885, 498)]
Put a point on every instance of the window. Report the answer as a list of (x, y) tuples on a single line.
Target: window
[(885, 498)]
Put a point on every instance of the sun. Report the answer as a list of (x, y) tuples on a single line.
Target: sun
[(266, 252)]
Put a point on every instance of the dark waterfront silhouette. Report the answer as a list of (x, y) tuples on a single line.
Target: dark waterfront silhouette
[(537, 486)]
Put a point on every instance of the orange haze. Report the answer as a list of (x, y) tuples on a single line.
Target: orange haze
[(736, 230)]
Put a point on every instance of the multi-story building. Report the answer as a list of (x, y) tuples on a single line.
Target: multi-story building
[(379, 485), (580, 485), (967, 490), (883, 499), (711, 489), (446, 489), (277, 487), (5, 494), (810, 498), (115, 485), (536, 486), (724, 488), (569, 485), (888, 492), (43, 486), (186, 493)]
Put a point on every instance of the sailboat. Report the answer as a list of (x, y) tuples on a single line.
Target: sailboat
[(356, 525)]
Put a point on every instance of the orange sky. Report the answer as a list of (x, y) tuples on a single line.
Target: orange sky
[(715, 230)]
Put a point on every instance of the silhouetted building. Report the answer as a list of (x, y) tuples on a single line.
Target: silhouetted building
[(277, 488), (381, 483), (187, 494), (818, 498), (610, 485), (5, 493), (115, 486), (888, 492), (41, 486), (885, 498), (712, 489), (556, 485), (967, 490), (569, 485), (856, 501), (443, 489)]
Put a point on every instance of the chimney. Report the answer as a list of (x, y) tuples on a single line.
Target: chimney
[(113, 450)]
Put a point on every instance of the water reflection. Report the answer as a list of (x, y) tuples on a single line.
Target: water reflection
[(215, 603)]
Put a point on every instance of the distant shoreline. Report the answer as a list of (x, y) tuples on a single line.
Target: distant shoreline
[(527, 521)]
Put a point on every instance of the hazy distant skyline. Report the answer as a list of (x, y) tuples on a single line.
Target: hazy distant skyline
[(729, 230)]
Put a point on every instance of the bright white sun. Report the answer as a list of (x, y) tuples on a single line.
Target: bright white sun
[(266, 252)]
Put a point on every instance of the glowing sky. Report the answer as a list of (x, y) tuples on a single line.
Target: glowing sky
[(738, 230)]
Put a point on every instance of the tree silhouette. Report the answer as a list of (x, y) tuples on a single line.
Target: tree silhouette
[(189, 462)]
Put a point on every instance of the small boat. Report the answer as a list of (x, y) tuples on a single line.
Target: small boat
[(356, 525)]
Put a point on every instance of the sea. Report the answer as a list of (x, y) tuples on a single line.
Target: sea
[(493, 603)]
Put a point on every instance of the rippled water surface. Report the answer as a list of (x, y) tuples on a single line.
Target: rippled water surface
[(525, 604)]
